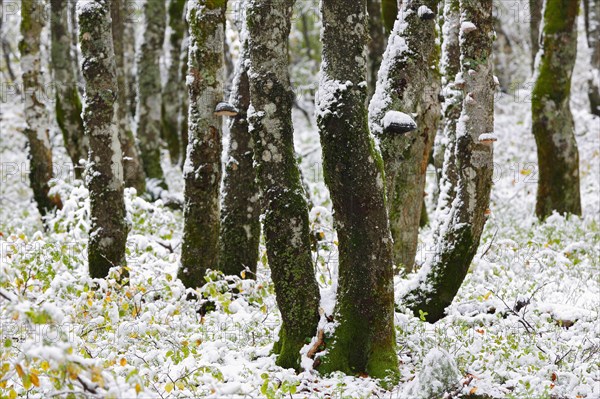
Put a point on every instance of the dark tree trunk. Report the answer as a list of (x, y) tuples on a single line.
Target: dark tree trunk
[(592, 24), (462, 225), (286, 225), (553, 126), (389, 12), (535, 13), (184, 99), (364, 340), (108, 231), (377, 43)]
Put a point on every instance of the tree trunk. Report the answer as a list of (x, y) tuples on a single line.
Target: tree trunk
[(364, 340), (408, 82), (240, 224), (67, 102), (389, 12), (108, 231), (134, 175), (36, 116), (184, 99), (202, 170), (376, 45), (535, 14), (286, 225), (460, 231), (175, 84), (592, 24), (149, 90), (553, 126)]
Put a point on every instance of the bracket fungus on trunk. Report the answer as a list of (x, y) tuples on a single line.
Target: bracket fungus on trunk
[(225, 109), (396, 122)]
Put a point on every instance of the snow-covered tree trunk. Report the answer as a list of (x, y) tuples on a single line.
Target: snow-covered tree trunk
[(535, 15), (592, 19), (67, 101), (202, 169), (286, 225), (408, 82), (150, 89), (108, 231), (240, 224), (377, 41), (134, 175), (175, 85), (552, 121), (36, 115), (364, 339), (442, 275)]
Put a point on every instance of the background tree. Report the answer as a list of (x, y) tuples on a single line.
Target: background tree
[(377, 42), (36, 116), (240, 224), (409, 82), (134, 175), (184, 99), (149, 90), (535, 15), (462, 224), (108, 230), (552, 121), (67, 102), (286, 225), (389, 12), (364, 339), (592, 27), (202, 170)]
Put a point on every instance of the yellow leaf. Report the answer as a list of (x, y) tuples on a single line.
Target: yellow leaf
[(243, 274), (19, 370), (180, 385), (486, 296), (34, 379), (97, 376), (3, 384), (138, 388), (45, 366), (123, 361), (169, 387), (472, 391), (12, 394)]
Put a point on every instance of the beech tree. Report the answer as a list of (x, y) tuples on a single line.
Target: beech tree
[(462, 223), (286, 224), (377, 41), (202, 170), (108, 230), (592, 27), (535, 15), (364, 339), (36, 115), (552, 121), (67, 101), (408, 82)]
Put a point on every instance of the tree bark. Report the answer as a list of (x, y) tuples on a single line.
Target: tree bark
[(461, 228), (184, 99), (240, 224), (134, 175), (286, 225), (592, 24), (535, 14), (552, 124), (108, 231), (175, 84), (149, 90), (202, 170), (364, 340), (377, 41), (409, 82), (389, 12), (36, 116), (67, 102)]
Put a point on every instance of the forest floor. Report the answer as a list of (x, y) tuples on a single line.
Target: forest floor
[(525, 323)]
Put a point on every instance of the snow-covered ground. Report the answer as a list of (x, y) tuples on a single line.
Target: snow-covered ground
[(525, 323)]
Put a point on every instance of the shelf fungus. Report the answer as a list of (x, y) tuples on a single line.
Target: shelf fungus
[(398, 123), (225, 109), (487, 138)]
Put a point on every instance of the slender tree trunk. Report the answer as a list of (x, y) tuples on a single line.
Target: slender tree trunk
[(364, 340), (408, 82), (442, 275), (184, 100), (134, 175), (389, 12), (202, 170), (592, 23), (149, 90), (67, 102), (535, 14), (240, 224), (75, 42), (108, 231), (553, 126), (175, 84), (36, 116), (286, 225), (376, 43)]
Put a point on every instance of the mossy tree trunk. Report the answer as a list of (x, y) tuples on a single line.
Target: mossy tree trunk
[(377, 40), (240, 224), (67, 101), (202, 170), (389, 12), (442, 275), (175, 85), (149, 91), (134, 175), (108, 231), (409, 82), (592, 25), (535, 15), (286, 225), (36, 116), (364, 339), (552, 121)]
